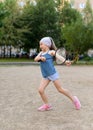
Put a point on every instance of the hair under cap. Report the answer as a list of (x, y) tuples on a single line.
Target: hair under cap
[(46, 41)]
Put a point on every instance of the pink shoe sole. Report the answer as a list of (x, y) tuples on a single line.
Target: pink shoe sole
[(77, 103), (45, 108)]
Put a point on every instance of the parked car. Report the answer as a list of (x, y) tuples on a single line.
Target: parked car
[(33, 55), (22, 55)]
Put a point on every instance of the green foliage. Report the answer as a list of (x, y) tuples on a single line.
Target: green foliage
[(79, 37), (3, 13), (24, 27), (36, 21), (68, 14), (8, 30), (87, 58), (77, 31), (87, 13), (44, 19)]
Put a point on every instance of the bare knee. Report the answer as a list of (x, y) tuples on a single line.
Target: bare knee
[(60, 90), (63, 91), (41, 91)]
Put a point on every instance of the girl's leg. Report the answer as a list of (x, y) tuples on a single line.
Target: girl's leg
[(42, 87), (44, 83), (62, 90), (74, 99)]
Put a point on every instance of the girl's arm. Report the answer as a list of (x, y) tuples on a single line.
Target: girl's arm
[(39, 58), (61, 58), (53, 53), (67, 62)]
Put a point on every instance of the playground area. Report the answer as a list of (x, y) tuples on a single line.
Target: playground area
[(19, 99)]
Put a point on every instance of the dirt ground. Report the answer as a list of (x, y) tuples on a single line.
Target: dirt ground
[(19, 99)]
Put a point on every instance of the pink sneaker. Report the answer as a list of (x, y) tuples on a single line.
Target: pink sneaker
[(45, 108), (77, 103)]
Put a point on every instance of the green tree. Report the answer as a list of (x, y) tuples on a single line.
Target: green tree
[(3, 14), (78, 34), (87, 13), (68, 14), (78, 37), (24, 30), (44, 20), (8, 31), (8, 28), (36, 21)]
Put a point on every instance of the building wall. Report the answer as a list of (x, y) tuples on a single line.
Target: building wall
[(80, 4), (1, 0)]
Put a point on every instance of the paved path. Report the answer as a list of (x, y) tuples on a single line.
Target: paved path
[(19, 63), (19, 99)]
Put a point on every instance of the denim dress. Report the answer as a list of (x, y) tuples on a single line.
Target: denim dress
[(47, 67)]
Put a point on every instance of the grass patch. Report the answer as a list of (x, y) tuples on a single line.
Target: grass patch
[(84, 62), (80, 62), (16, 60)]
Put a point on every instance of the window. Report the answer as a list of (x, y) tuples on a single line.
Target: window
[(82, 5)]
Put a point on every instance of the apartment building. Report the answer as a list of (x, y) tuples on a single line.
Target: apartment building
[(80, 4)]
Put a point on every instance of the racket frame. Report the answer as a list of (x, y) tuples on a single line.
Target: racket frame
[(62, 63)]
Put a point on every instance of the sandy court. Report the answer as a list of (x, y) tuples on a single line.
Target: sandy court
[(19, 99)]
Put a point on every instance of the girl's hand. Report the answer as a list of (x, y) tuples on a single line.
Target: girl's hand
[(68, 62), (43, 58), (39, 58)]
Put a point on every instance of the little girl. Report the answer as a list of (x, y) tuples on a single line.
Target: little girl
[(49, 73)]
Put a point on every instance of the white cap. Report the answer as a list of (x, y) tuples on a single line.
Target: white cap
[(46, 41)]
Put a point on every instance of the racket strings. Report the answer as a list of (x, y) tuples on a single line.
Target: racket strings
[(61, 52)]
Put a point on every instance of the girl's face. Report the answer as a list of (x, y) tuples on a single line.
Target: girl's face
[(43, 47)]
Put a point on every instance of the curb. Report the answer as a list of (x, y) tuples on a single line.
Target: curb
[(19, 63)]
